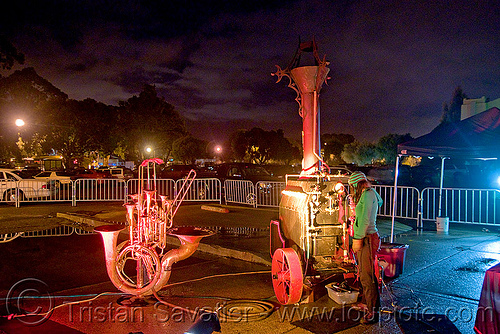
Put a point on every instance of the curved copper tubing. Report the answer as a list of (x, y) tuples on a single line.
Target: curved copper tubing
[(189, 237)]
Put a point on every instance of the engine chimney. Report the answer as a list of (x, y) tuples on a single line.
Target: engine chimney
[(307, 82)]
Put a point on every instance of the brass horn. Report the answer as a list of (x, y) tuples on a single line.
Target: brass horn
[(149, 222)]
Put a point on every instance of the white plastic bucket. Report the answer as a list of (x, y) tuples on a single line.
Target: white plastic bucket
[(442, 224)]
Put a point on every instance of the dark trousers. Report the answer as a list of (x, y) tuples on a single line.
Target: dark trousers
[(366, 271)]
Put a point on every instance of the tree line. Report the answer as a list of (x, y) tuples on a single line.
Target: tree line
[(83, 129), (79, 130)]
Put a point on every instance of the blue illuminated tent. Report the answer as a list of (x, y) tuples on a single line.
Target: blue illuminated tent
[(476, 137)]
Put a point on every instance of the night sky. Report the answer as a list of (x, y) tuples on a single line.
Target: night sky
[(393, 63)]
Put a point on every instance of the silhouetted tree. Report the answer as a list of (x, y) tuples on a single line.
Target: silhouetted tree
[(387, 147), (238, 144), (26, 95), (333, 145), (148, 120), (282, 150), (9, 54), (359, 153), (452, 113), (260, 146), (187, 149)]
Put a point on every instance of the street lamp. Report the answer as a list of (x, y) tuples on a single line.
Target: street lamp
[(20, 144), (150, 151), (218, 153), (19, 122)]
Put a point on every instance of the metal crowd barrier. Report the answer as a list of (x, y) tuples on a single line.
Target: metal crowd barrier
[(240, 192), (263, 193), (473, 206), (202, 190), (87, 190), (164, 187), (476, 206), (269, 193), (407, 201), (58, 231), (31, 190), (92, 190)]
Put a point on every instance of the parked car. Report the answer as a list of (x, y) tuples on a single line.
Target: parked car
[(244, 171), (28, 188), (428, 175), (118, 172), (91, 174), (342, 174), (280, 171), (59, 177), (179, 171), (385, 175), (247, 172), (29, 171)]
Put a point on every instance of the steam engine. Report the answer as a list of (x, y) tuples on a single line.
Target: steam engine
[(309, 242)]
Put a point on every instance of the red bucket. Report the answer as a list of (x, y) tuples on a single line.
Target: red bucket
[(394, 255)]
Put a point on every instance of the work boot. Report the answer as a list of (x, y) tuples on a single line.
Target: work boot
[(360, 307), (370, 318)]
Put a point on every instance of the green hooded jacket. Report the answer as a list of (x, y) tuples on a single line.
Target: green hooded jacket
[(366, 213)]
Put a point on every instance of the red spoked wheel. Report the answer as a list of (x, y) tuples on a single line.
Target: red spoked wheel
[(287, 276)]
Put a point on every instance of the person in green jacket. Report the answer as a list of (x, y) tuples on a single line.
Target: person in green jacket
[(366, 243)]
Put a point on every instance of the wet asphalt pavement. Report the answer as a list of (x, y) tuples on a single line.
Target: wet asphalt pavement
[(443, 275)]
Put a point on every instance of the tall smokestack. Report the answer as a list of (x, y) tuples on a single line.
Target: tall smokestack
[(307, 82)]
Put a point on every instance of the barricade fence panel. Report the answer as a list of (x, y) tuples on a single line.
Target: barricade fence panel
[(407, 201), (164, 187), (7, 237), (476, 206), (58, 231), (59, 191), (81, 231), (202, 190), (240, 191), (269, 193), (29, 190), (99, 190)]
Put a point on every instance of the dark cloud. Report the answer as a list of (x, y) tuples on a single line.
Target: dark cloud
[(393, 62)]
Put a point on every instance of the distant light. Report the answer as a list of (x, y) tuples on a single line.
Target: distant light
[(19, 122), (218, 149), (498, 181), (148, 149)]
